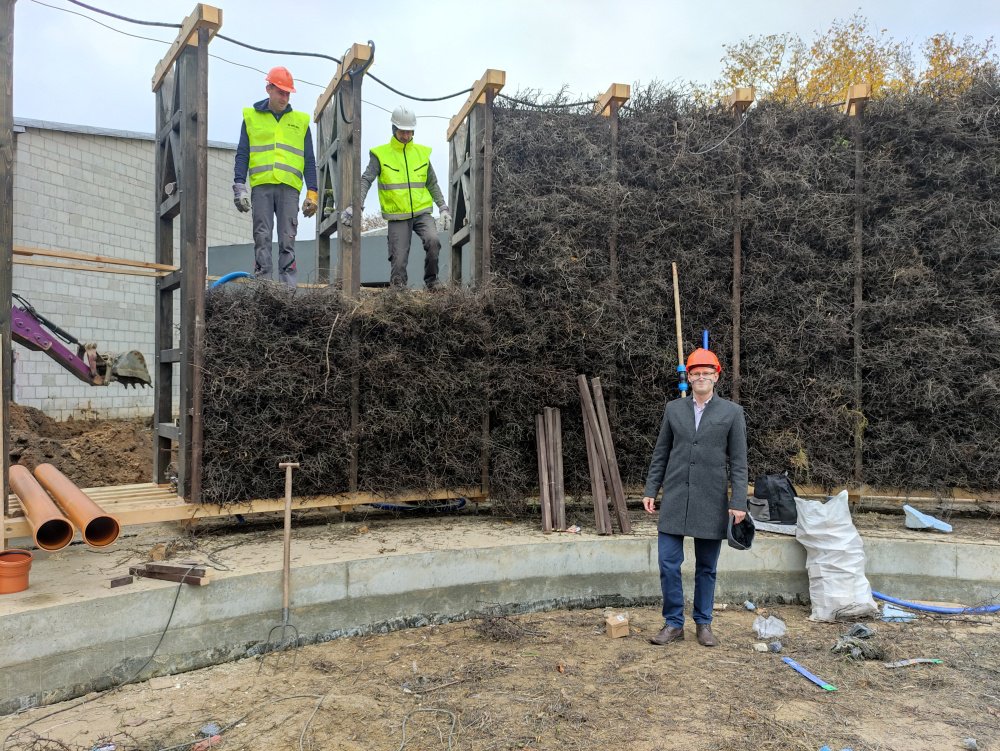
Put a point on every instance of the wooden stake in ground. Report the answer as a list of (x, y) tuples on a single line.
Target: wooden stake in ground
[(618, 490), (543, 474)]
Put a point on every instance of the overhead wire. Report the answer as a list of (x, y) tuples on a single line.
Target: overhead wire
[(554, 106), (724, 138)]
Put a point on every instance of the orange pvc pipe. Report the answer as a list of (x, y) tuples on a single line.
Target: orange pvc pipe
[(51, 530), (98, 528)]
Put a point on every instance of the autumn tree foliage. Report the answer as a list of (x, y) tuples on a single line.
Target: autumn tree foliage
[(785, 67)]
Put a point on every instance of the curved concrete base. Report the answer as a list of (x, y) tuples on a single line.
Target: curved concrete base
[(53, 653)]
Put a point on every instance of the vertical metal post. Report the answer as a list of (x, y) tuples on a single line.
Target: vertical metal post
[(6, 227)]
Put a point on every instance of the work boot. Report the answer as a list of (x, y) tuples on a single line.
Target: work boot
[(667, 635), (705, 636)]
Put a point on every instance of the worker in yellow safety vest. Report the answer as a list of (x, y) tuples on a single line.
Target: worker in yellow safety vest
[(407, 192), (276, 152)]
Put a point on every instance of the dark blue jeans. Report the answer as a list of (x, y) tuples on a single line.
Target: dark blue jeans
[(706, 556)]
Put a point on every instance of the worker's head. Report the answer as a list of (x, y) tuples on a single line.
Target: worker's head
[(279, 86), (404, 122), (703, 369)]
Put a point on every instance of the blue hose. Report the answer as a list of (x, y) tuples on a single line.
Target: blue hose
[(229, 277), (938, 608), (440, 507)]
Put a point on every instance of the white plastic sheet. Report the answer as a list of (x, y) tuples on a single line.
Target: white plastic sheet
[(835, 560)]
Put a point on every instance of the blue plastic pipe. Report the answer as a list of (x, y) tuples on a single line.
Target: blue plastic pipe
[(229, 277), (938, 608), (704, 338)]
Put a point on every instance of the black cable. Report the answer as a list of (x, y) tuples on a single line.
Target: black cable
[(277, 52), (99, 23), (526, 103), (420, 98), (124, 18), (724, 138)]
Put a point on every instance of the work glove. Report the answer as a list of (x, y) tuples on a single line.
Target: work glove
[(241, 197), (445, 219), (310, 205), (347, 215)]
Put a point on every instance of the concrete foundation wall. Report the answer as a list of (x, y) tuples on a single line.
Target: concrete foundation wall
[(53, 653), (91, 191)]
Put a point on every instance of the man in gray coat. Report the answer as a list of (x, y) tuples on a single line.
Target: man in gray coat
[(700, 451)]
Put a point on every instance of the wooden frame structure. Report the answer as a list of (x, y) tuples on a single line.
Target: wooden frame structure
[(180, 85), (470, 178), (338, 147), (6, 230)]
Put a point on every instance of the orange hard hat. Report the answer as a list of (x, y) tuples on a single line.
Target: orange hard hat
[(704, 358), (282, 78)]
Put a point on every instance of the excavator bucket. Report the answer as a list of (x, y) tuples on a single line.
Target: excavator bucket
[(130, 369)]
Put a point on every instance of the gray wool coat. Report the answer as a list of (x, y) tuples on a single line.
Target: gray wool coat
[(695, 469)]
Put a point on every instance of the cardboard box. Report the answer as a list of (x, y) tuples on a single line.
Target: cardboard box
[(617, 625)]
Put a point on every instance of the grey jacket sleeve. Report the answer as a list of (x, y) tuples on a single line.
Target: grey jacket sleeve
[(368, 176), (435, 189), (661, 453), (738, 475)]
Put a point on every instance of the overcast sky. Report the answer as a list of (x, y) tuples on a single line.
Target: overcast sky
[(69, 69)]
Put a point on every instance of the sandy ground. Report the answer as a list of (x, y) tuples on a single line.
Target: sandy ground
[(545, 681)]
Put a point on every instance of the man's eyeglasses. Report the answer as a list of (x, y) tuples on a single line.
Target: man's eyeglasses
[(700, 376)]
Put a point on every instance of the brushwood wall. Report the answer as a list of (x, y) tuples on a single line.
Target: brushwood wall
[(279, 367)]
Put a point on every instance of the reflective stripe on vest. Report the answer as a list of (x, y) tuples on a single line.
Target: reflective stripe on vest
[(402, 181), (277, 147)]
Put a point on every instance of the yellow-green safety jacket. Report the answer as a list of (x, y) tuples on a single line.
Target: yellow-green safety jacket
[(277, 147), (402, 182)]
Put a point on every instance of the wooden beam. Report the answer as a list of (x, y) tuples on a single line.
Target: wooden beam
[(492, 79), (6, 227), (24, 261), (855, 99), (617, 92), (203, 16), (358, 53), (21, 250), (741, 98)]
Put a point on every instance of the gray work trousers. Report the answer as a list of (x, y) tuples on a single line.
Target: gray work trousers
[(269, 202), (399, 233)]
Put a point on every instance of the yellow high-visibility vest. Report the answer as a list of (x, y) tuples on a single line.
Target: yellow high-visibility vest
[(402, 182), (277, 147)]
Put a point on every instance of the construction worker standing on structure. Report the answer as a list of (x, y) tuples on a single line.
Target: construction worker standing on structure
[(407, 191), (276, 150), (700, 451)]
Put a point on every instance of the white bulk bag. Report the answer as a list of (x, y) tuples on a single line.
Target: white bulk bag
[(835, 560)]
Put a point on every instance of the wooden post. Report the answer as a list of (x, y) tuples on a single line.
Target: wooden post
[(180, 83), (740, 100), (470, 180), (608, 105), (854, 107), (338, 136), (6, 231), (604, 431), (544, 498), (602, 517)]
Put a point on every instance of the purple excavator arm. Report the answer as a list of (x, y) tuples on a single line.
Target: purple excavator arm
[(28, 328)]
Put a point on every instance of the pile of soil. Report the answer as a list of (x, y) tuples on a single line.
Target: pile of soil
[(91, 453)]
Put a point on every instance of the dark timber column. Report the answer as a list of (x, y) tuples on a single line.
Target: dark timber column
[(180, 84), (740, 100), (338, 138), (854, 107), (6, 228), (608, 105)]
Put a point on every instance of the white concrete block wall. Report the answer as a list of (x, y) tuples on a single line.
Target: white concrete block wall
[(91, 191)]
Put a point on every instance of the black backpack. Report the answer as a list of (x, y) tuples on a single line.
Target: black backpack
[(773, 500)]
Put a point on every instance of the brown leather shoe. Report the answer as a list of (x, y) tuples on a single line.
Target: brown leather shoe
[(705, 636), (668, 634)]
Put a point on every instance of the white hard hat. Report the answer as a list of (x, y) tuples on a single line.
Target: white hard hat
[(403, 118)]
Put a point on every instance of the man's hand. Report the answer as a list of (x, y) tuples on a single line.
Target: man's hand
[(445, 219), (241, 197), (347, 215), (311, 203), (649, 504), (738, 516)]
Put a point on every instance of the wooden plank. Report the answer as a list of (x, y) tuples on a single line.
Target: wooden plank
[(600, 448), (602, 519), (543, 474), (358, 53), (549, 417), (6, 231), (23, 261), (189, 568), (202, 17), (741, 98), (856, 97), (72, 255), (491, 79), (145, 573), (617, 92), (604, 425), (560, 507)]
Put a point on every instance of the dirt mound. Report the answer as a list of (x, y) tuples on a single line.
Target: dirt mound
[(89, 452)]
